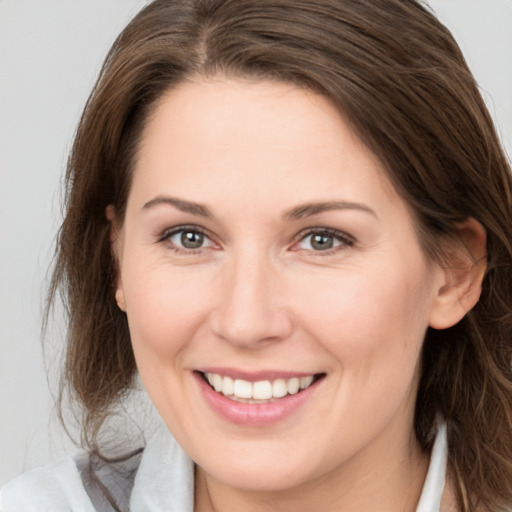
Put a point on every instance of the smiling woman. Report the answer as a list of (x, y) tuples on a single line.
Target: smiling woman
[(291, 275), (299, 235)]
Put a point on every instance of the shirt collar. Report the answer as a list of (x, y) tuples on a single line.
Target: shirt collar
[(433, 488), (165, 479)]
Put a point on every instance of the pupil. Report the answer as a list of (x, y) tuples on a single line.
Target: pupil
[(322, 242), (191, 240)]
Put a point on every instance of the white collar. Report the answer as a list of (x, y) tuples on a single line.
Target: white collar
[(165, 478), (430, 500)]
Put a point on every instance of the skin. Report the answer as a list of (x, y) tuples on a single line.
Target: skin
[(257, 296)]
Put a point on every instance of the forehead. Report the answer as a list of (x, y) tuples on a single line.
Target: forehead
[(267, 140)]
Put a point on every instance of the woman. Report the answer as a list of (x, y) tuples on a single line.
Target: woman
[(292, 220)]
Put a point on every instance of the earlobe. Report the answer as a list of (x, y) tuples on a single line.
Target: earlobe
[(114, 249), (120, 298), (460, 283)]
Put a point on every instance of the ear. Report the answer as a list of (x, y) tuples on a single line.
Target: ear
[(110, 213), (460, 283)]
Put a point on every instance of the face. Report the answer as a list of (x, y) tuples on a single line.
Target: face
[(276, 292)]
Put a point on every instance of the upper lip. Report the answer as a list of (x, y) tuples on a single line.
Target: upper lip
[(255, 376)]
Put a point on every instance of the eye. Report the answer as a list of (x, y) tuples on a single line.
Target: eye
[(187, 238), (323, 240)]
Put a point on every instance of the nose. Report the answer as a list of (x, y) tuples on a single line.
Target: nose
[(251, 309)]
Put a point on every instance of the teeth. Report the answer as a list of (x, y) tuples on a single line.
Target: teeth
[(242, 389), (216, 382), (305, 382), (260, 391), (293, 386), (228, 385), (279, 388)]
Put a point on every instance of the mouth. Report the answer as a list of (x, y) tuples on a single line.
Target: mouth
[(260, 391)]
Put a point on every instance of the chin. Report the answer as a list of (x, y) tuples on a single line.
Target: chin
[(274, 474), (259, 479)]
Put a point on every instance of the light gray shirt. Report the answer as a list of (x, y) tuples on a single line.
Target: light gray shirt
[(159, 479)]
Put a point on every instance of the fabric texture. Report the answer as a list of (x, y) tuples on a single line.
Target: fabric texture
[(159, 479)]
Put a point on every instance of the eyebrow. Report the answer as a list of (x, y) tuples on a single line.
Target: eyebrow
[(180, 204), (298, 212), (309, 209)]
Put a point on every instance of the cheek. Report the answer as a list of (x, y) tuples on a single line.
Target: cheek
[(373, 330), (369, 318), (165, 309)]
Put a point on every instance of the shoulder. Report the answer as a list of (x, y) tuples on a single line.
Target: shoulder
[(81, 483), (55, 487), (159, 478)]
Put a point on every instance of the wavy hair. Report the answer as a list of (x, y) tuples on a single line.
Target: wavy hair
[(398, 76)]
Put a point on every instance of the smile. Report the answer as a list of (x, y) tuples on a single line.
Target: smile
[(256, 399), (262, 391)]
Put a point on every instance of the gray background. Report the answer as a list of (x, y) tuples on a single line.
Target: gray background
[(50, 53)]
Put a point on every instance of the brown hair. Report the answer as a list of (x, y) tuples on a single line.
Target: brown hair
[(398, 76)]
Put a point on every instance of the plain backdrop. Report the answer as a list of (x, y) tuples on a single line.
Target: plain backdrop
[(50, 53)]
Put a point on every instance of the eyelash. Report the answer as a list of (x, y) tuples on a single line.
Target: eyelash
[(168, 234), (341, 237), (344, 240)]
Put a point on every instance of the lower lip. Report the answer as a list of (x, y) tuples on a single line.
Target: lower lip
[(254, 414)]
